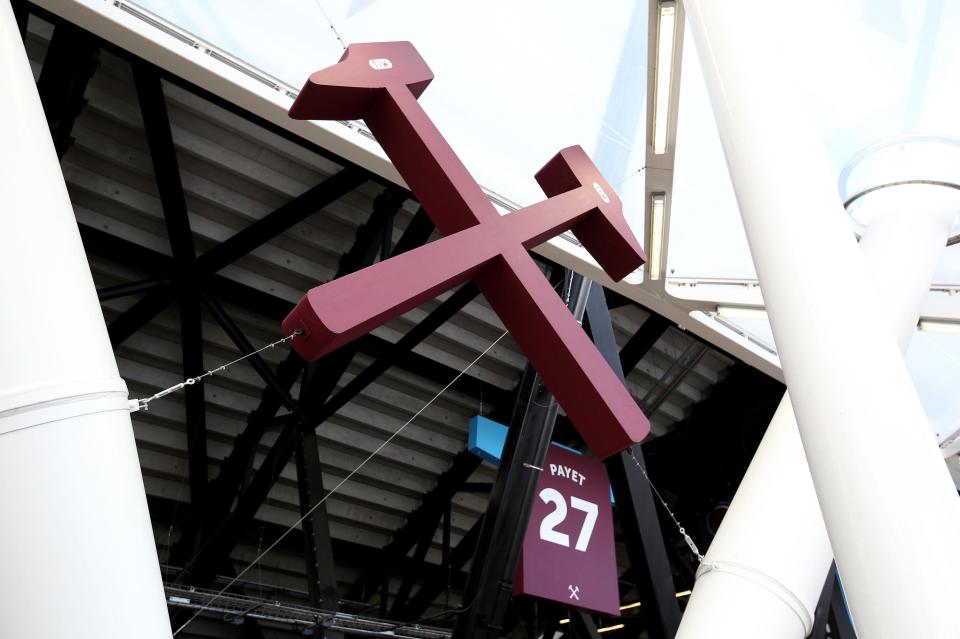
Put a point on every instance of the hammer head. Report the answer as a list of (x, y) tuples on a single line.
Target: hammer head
[(346, 90), (604, 231)]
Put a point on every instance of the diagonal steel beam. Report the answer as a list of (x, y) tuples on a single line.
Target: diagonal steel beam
[(114, 248), (821, 615), (71, 59), (514, 491), (433, 588), (426, 516), (326, 372), (636, 510), (220, 531), (642, 342), (840, 624), (244, 346), (318, 549), (98, 242), (450, 307), (411, 576), (435, 371), (418, 231), (222, 540), (673, 376), (132, 288), (273, 224), (195, 406), (21, 13), (582, 625), (138, 315), (636, 348), (166, 170)]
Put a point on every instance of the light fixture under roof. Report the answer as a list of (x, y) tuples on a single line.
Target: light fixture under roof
[(939, 327), (742, 312), (666, 37), (658, 202), (609, 628)]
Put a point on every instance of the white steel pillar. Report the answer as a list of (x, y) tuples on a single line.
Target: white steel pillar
[(763, 573), (77, 556), (890, 508)]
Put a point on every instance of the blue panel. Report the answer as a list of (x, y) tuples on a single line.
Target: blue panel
[(486, 439)]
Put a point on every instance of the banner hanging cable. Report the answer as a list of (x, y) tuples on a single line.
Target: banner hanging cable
[(143, 404), (343, 481)]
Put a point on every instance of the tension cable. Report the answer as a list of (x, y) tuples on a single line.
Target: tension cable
[(686, 537), (343, 481), (143, 404)]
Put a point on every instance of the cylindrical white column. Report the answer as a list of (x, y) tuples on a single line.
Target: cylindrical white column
[(771, 554), (889, 505), (76, 545)]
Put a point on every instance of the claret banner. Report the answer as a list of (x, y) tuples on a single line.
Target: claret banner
[(568, 551)]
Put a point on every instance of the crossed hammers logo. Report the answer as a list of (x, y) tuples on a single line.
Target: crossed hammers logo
[(380, 83)]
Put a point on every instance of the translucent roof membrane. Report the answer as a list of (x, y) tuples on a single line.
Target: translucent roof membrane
[(878, 68), (514, 81), (707, 239), (933, 359)]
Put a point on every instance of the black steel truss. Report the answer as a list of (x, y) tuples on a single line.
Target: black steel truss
[(636, 510), (220, 531), (318, 548), (419, 524), (21, 14), (72, 57), (831, 619), (166, 169), (505, 522)]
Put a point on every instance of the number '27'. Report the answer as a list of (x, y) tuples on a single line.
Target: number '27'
[(555, 518)]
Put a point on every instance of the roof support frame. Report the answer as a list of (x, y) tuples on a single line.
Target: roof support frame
[(132, 288), (432, 588), (72, 57), (21, 14), (111, 247), (166, 169), (219, 536), (636, 509), (220, 102), (140, 314), (642, 342), (840, 625), (318, 549), (194, 395), (501, 536), (582, 625), (424, 518), (244, 346), (223, 539)]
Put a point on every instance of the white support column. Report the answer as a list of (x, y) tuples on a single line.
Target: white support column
[(890, 508), (77, 556), (762, 576)]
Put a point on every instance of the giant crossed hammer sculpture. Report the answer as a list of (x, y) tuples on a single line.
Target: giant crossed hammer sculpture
[(380, 83)]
